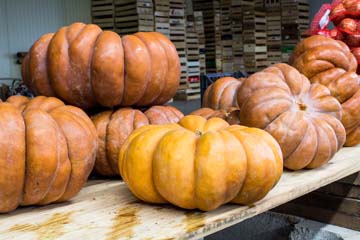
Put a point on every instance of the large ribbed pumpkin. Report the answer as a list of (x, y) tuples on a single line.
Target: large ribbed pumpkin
[(304, 118), (330, 62), (85, 67), (222, 93), (47, 151), (113, 127), (200, 163)]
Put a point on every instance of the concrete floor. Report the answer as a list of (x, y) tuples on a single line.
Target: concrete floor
[(186, 107), (276, 226)]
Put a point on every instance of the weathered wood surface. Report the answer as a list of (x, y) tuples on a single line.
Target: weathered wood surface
[(107, 210)]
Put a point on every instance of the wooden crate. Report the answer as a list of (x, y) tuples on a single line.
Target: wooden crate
[(178, 33), (199, 28), (188, 94), (226, 37), (102, 13), (237, 34), (273, 32), (272, 4), (133, 16), (259, 4), (286, 51), (255, 40), (295, 20), (212, 28), (162, 16), (337, 203), (192, 48)]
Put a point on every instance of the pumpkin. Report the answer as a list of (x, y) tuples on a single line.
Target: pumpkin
[(335, 68), (222, 93), (209, 162), (304, 118), (86, 67), (231, 115), (113, 127), (47, 151)]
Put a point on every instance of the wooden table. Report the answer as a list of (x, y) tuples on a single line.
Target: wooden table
[(107, 210)]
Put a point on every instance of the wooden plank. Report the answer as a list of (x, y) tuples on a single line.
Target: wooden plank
[(108, 210), (320, 214)]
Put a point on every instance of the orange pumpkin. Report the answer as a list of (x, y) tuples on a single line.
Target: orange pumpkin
[(113, 127), (331, 63), (231, 115), (86, 66), (209, 162), (47, 151), (222, 93), (304, 118)]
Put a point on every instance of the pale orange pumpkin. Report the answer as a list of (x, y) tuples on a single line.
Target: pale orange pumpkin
[(200, 163)]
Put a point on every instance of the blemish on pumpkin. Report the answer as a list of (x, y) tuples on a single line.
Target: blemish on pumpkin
[(123, 223), (50, 229), (194, 221)]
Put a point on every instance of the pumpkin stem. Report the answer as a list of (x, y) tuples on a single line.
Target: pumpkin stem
[(198, 133), (302, 106)]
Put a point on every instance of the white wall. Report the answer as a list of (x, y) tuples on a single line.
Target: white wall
[(22, 22)]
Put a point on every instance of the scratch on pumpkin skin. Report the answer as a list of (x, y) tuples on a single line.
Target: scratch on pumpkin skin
[(194, 221), (123, 223), (50, 229)]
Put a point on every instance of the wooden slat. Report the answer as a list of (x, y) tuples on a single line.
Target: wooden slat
[(107, 210)]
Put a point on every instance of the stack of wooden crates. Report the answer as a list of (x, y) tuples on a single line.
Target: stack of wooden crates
[(220, 36), (237, 34), (295, 23), (178, 34), (133, 16), (254, 37), (161, 16), (103, 14), (199, 28), (212, 18), (227, 56), (273, 30)]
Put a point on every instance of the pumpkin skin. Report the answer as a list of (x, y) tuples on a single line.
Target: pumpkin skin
[(231, 115), (304, 118), (340, 77), (222, 93), (51, 153), (209, 162), (113, 127), (317, 54), (87, 67)]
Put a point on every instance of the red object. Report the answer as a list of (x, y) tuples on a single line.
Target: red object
[(348, 25), (338, 13), (336, 34), (352, 40), (194, 79)]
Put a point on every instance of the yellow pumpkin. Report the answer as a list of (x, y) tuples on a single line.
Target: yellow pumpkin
[(200, 163)]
